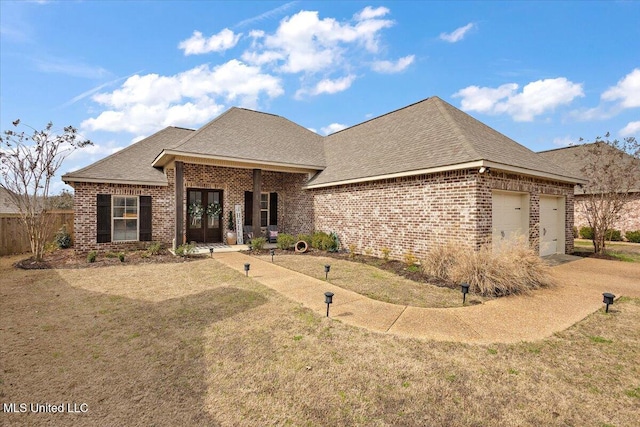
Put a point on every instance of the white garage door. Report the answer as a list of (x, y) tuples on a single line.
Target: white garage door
[(551, 225), (510, 216)]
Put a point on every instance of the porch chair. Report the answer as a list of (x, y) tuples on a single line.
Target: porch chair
[(272, 234), (247, 233)]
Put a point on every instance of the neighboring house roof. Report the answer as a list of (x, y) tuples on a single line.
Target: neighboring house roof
[(132, 165), (573, 159), (6, 203), (251, 137), (424, 137)]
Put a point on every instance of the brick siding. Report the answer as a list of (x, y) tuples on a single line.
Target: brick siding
[(629, 219), (422, 212)]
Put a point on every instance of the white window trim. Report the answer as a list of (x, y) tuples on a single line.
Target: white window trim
[(268, 209), (137, 239)]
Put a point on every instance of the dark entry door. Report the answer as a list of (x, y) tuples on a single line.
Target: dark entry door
[(202, 227)]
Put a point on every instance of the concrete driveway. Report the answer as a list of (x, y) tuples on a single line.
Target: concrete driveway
[(505, 320)]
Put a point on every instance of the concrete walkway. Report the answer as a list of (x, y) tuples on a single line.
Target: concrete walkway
[(505, 320)]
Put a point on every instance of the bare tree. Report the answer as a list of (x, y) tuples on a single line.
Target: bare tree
[(28, 162), (612, 168)]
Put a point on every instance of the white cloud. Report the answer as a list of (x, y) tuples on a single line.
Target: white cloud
[(631, 129), (144, 104), (332, 128), (627, 90), (536, 98), (305, 43), (370, 13), (328, 86), (457, 35), (388, 67), (197, 44)]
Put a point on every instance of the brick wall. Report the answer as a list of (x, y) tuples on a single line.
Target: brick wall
[(414, 213), (85, 214), (629, 218), (422, 212)]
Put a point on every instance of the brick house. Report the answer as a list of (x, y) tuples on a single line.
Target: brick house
[(412, 179), (573, 158)]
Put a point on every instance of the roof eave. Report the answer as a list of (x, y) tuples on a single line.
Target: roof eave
[(71, 179), (459, 166), (168, 156)]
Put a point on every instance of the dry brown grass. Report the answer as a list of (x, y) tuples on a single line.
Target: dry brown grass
[(514, 268), (235, 353), (373, 282)]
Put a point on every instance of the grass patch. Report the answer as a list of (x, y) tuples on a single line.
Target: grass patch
[(599, 339), (373, 282)]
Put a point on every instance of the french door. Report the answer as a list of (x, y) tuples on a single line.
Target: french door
[(202, 227)]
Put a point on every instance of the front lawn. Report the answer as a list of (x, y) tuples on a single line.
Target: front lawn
[(199, 344), (622, 251)]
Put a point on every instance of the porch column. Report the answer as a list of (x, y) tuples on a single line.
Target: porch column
[(257, 188), (179, 183)]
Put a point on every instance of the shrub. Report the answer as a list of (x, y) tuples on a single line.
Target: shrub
[(304, 238), (575, 232), (633, 236), (352, 251), (335, 242), (613, 235), (121, 256), (586, 233), (185, 250), (368, 251), (321, 240), (91, 257), (257, 243), (285, 241), (409, 258), (110, 254), (515, 268), (62, 238), (154, 248), (385, 253)]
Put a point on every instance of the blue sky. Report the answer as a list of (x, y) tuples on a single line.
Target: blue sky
[(542, 73)]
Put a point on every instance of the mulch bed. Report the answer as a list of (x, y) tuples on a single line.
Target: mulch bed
[(67, 258)]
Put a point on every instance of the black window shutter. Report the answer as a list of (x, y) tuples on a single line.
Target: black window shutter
[(145, 218), (103, 215), (273, 208), (248, 207)]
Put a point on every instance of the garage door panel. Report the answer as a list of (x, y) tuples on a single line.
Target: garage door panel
[(510, 216), (552, 222)]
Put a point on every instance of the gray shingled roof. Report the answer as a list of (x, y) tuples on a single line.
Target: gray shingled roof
[(572, 158), (251, 135), (133, 164), (424, 135)]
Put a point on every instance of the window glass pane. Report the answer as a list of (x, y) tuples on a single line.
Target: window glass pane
[(263, 218), (125, 218), (264, 201)]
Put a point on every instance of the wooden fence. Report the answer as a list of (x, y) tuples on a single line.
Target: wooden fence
[(14, 238)]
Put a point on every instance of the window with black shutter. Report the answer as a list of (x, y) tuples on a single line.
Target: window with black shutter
[(273, 208), (248, 207)]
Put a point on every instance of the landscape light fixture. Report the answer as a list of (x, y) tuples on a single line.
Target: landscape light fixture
[(608, 299), (211, 252), (328, 299), (273, 252), (464, 287), (484, 169), (327, 268), (246, 269)]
